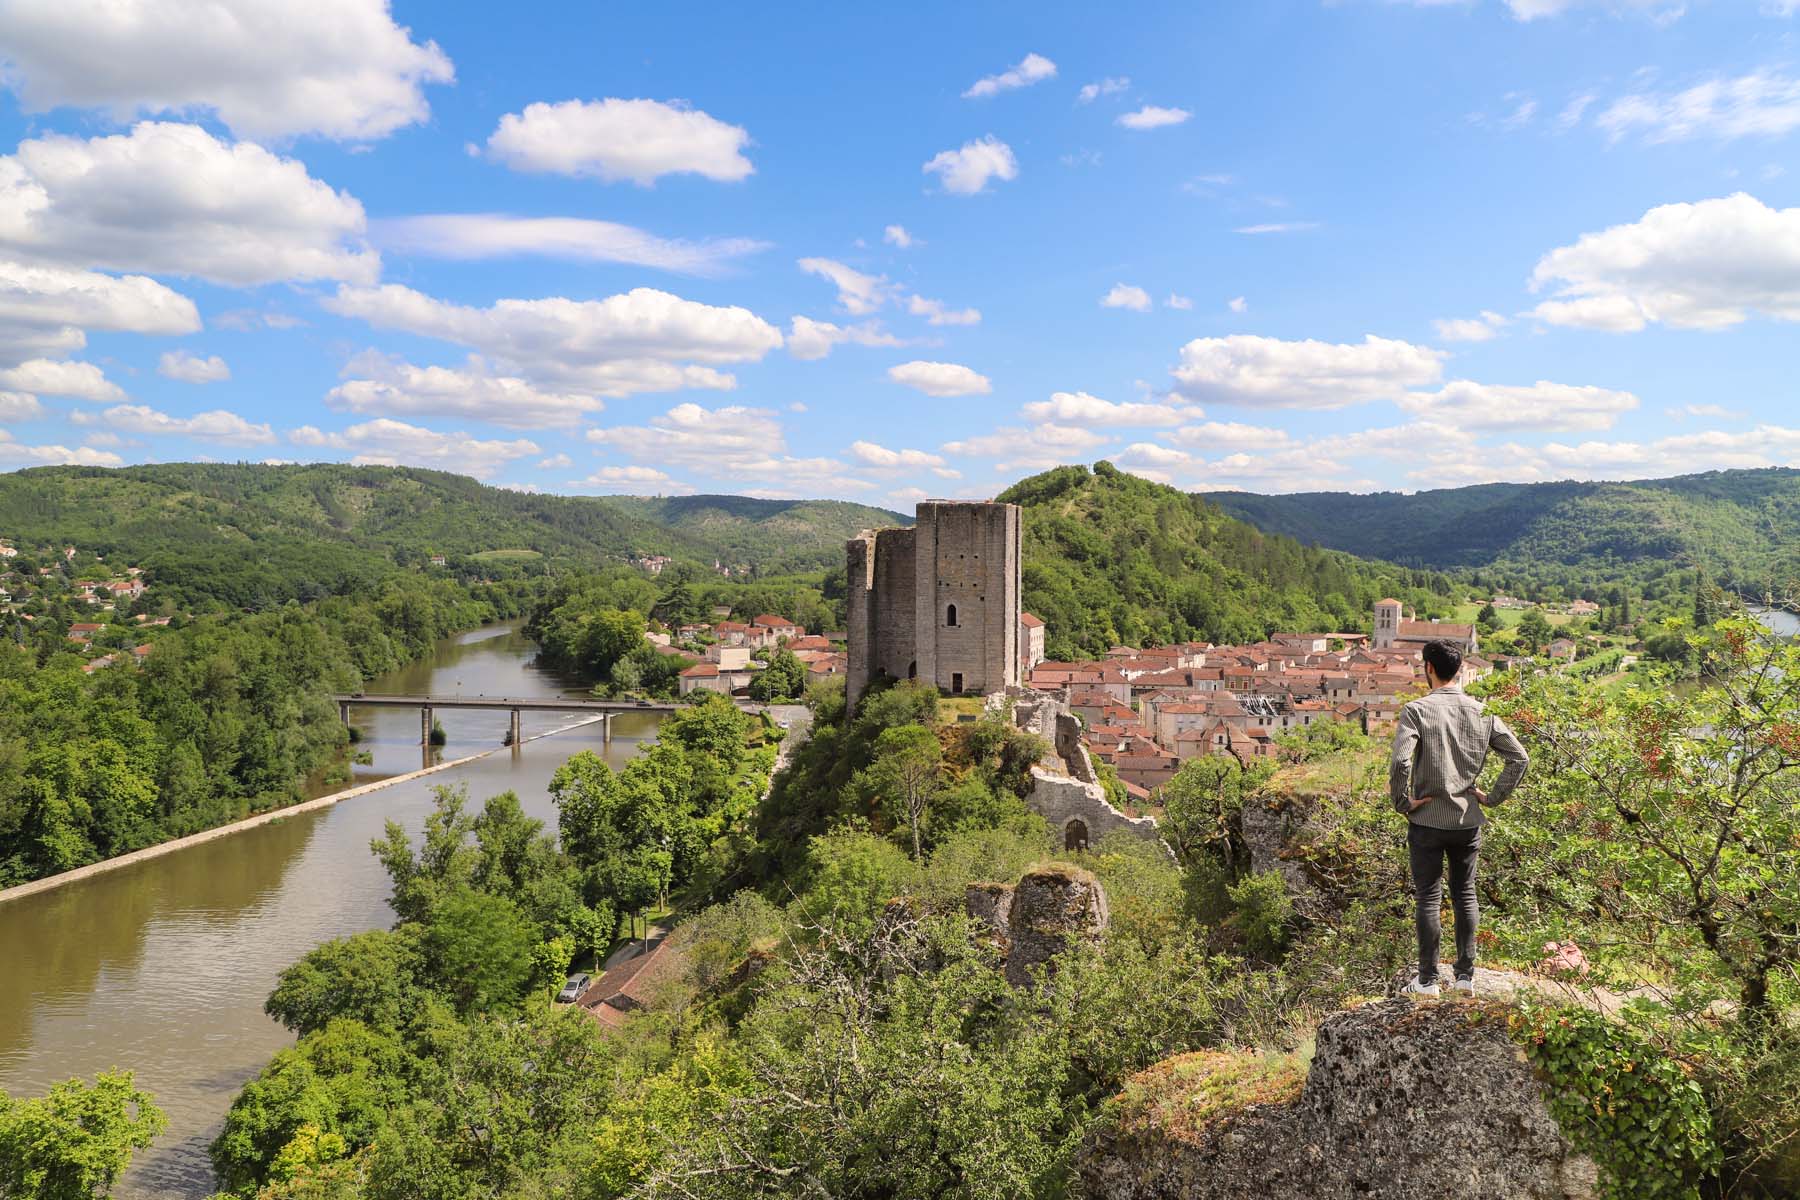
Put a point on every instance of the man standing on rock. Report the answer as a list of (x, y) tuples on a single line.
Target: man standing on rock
[(1441, 744)]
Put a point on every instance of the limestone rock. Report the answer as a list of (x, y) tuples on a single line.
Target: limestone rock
[(1561, 989), (1050, 905), (989, 905), (1273, 827), (1402, 1099)]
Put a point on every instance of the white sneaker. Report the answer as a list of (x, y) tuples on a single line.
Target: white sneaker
[(1464, 987), (1415, 988)]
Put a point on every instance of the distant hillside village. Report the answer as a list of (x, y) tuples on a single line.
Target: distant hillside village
[(98, 609)]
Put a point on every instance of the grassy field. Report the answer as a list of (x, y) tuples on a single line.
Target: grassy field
[(504, 555), (1508, 617)]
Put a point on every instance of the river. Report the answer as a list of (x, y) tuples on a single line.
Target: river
[(1781, 620), (162, 966)]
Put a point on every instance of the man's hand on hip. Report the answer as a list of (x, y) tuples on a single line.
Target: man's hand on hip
[(1421, 802), (1480, 796)]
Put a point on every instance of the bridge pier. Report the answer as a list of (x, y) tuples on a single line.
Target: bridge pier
[(514, 742), (606, 729), (425, 726), (344, 712)]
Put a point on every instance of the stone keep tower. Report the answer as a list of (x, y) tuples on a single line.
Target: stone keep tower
[(939, 601)]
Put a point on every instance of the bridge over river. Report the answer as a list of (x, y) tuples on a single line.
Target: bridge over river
[(604, 709)]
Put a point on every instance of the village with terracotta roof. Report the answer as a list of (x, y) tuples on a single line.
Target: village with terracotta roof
[(99, 610), (732, 653), (1146, 711)]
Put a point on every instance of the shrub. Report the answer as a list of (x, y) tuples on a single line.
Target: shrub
[(1637, 1112)]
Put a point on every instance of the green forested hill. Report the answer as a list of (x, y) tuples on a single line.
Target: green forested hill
[(1738, 525), (249, 534), (799, 532), (1112, 558)]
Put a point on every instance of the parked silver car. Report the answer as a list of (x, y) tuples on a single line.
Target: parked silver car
[(577, 984)]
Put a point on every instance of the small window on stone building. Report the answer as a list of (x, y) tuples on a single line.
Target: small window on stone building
[(956, 682), (912, 670), (1075, 836), (950, 616)]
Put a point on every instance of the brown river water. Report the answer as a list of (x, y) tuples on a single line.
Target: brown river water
[(162, 966)]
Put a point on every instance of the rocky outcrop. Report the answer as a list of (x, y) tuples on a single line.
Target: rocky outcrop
[(1034, 920), (1401, 1099), (1273, 827), (1561, 989), (1051, 905)]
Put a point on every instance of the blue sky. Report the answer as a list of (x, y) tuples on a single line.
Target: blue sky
[(880, 254)]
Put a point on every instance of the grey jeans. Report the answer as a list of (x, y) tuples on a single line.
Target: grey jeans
[(1428, 849)]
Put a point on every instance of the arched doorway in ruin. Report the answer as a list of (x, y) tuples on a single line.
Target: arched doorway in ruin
[(1075, 835)]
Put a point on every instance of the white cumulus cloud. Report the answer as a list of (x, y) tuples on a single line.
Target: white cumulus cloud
[(389, 387), (633, 481), (390, 443), (266, 68), (1152, 117), (1231, 436), (1542, 406), (215, 426), (1033, 68), (967, 170), (1126, 295), (1264, 372), (880, 458), (173, 199), (82, 381), (937, 313), (1693, 266), (858, 294), (896, 235), (643, 340), (1091, 92), (744, 445), (1080, 408), (45, 310), (14, 451), (1029, 449), (189, 368), (940, 378), (1469, 329), (809, 340), (612, 140)]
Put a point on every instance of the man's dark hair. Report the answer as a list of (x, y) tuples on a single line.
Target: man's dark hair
[(1444, 659)]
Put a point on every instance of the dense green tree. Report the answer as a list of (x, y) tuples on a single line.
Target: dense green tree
[(1533, 631), (621, 829), (478, 947), (1672, 810), (904, 779), (783, 679), (75, 1142), (372, 977)]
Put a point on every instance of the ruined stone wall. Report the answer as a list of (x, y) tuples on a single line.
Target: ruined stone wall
[(1061, 800)]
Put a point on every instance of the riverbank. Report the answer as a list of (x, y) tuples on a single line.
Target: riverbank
[(21, 890)]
